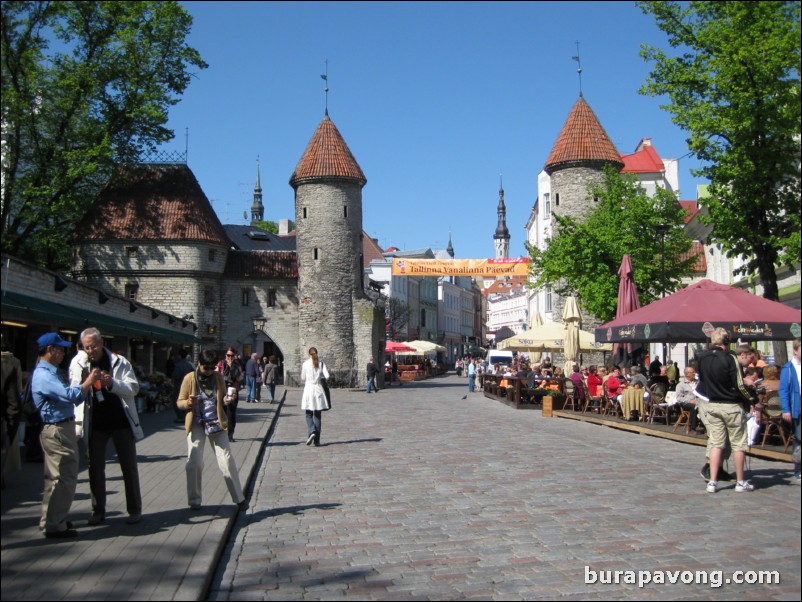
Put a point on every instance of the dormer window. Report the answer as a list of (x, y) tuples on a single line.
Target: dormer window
[(132, 252)]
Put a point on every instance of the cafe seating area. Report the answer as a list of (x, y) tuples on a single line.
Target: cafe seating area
[(655, 417), (410, 372), (522, 393)]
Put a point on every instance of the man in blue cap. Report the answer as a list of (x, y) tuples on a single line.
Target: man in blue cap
[(56, 402)]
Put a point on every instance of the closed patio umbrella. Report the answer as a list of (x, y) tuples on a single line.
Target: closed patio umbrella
[(626, 354), (571, 317)]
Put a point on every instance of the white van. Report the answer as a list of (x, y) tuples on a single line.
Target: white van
[(499, 357)]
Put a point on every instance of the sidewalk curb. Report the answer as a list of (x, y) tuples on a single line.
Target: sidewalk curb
[(222, 542)]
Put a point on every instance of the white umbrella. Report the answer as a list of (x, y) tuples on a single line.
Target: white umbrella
[(423, 348), (571, 317), (551, 337)]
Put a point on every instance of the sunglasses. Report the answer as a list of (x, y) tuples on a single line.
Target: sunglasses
[(229, 355)]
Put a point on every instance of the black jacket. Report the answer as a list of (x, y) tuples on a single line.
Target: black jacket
[(721, 379)]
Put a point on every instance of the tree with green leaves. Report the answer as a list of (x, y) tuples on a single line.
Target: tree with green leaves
[(583, 257), (85, 86), (733, 85)]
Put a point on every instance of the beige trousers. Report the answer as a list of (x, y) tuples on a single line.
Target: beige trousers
[(60, 447), (196, 442)]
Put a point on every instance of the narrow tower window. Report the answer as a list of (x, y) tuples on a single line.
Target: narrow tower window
[(556, 200), (304, 212), (345, 211), (316, 253)]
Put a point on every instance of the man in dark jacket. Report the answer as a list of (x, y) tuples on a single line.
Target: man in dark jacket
[(372, 372), (721, 381)]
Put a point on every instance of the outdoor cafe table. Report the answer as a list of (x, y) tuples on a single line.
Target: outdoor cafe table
[(632, 399)]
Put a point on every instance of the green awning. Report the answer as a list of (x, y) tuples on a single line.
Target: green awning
[(16, 306)]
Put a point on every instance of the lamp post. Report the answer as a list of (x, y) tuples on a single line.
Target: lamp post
[(662, 229), (258, 326)]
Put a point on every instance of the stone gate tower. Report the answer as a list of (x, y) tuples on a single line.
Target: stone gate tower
[(575, 164), (335, 315)]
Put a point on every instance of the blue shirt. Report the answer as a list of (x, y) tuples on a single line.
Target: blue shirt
[(53, 397)]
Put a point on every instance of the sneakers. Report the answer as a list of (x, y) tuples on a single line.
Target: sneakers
[(712, 487), (744, 486), (310, 439)]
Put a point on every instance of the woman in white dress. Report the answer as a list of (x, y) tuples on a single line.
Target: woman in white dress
[(314, 398)]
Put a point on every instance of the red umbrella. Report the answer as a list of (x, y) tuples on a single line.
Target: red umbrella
[(628, 302), (393, 347), (691, 314)]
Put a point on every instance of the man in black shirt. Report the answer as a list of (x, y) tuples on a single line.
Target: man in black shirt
[(721, 381), (109, 412)]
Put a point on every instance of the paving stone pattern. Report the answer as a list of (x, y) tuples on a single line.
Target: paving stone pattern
[(427, 492)]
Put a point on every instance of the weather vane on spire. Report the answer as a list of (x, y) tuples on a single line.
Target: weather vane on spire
[(325, 78), (579, 68)]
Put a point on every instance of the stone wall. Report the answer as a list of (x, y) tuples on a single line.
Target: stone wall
[(281, 319)]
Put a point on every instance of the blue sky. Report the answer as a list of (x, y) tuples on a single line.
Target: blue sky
[(434, 99)]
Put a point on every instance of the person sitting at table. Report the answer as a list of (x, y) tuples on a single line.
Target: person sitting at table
[(771, 379), (594, 381), (614, 387), (660, 379), (576, 378), (639, 381), (686, 397)]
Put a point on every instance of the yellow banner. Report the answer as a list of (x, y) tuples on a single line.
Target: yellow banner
[(485, 268)]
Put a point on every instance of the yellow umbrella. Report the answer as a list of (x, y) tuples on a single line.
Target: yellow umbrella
[(571, 317), (551, 337)]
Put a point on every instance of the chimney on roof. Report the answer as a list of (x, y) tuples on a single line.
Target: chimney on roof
[(283, 227)]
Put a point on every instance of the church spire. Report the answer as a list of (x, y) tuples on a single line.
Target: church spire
[(257, 209), (502, 236), (450, 248)]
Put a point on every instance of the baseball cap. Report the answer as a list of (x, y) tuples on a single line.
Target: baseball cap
[(52, 338)]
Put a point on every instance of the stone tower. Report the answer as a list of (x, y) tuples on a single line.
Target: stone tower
[(335, 315), (501, 239), (576, 163), (257, 209)]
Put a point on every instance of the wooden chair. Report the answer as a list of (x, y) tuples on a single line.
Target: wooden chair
[(592, 402), (610, 405), (657, 406), (570, 395), (772, 418), (684, 418)]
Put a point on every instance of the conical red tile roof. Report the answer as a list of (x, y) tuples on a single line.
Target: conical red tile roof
[(327, 156), (582, 141), (152, 202)]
